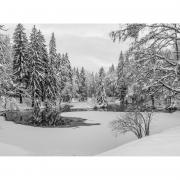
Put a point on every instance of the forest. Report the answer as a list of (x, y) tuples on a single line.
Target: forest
[(145, 78), (137, 96)]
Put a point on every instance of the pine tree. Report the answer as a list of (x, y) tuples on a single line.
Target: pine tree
[(48, 86), (82, 85), (101, 94), (121, 84), (75, 83), (90, 84), (20, 60), (51, 85), (66, 78), (52, 75), (52, 51), (78, 82), (112, 69), (37, 64), (6, 83), (111, 82)]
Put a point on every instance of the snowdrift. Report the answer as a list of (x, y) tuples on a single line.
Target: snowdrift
[(166, 143)]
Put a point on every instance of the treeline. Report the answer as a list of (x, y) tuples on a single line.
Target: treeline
[(151, 70), (29, 70), (39, 72)]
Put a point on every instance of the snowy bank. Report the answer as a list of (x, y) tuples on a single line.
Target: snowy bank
[(166, 143), (82, 140), (10, 150)]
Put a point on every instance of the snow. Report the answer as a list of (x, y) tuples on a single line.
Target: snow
[(165, 143), (10, 150), (12, 104), (85, 140), (82, 105)]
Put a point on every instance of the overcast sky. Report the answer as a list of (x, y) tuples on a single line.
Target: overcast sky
[(88, 45)]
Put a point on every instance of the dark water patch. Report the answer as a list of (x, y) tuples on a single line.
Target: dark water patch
[(45, 119)]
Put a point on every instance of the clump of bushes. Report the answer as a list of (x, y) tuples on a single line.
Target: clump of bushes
[(136, 122), (171, 108), (66, 108)]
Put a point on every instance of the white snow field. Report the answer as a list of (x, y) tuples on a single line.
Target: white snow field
[(166, 143), (16, 139)]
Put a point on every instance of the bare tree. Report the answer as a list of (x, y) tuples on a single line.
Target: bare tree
[(136, 122), (149, 41)]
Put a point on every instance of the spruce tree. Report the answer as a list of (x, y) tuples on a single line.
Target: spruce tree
[(68, 87), (75, 84), (37, 73), (121, 83), (101, 94), (49, 85), (20, 59), (6, 83), (83, 85), (78, 82), (52, 51), (52, 76), (66, 78), (111, 82), (45, 63), (90, 84)]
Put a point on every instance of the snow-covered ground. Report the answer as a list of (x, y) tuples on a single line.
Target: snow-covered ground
[(83, 140), (82, 105), (166, 143), (9, 150), (165, 139)]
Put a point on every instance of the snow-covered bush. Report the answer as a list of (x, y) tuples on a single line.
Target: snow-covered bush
[(135, 122)]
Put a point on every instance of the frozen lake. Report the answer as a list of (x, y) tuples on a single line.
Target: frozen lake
[(82, 140)]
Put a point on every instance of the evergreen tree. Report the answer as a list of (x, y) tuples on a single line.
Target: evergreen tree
[(78, 82), (37, 73), (44, 58), (49, 85), (20, 60), (111, 82), (75, 84), (52, 51), (82, 85), (101, 94), (90, 84), (121, 83), (53, 74), (66, 76), (112, 69), (6, 83)]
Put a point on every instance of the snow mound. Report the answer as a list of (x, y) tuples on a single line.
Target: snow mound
[(10, 150), (163, 144)]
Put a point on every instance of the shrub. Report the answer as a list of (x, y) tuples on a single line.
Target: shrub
[(135, 122), (95, 108), (171, 109), (66, 108)]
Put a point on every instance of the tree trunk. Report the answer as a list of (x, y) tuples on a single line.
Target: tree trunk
[(32, 103), (176, 46), (147, 132), (122, 104), (153, 102), (33, 100), (20, 99)]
